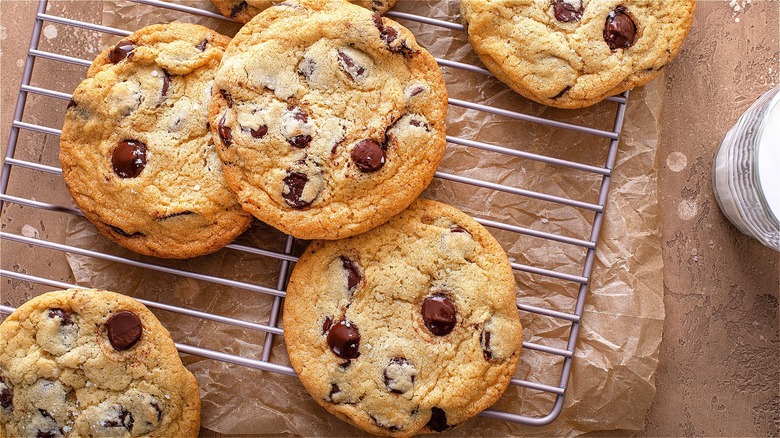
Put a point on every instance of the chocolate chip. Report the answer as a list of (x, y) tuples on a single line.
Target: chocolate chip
[(158, 409), (124, 330), (559, 95), (181, 213), (416, 90), (71, 104), (123, 49), (64, 317), (125, 419), (45, 434), (237, 9), (125, 233), (348, 64), (300, 141), (166, 83), (224, 132), (259, 132), (307, 67), (129, 158), (458, 229), (6, 396), (326, 324), (438, 421), (387, 34), (368, 156), (484, 340), (228, 97), (202, 45), (295, 183), (299, 114), (345, 365), (353, 273), (565, 11), (619, 29), (398, 384), (344, 340), (334, 389), (45, 413), (438, 313)]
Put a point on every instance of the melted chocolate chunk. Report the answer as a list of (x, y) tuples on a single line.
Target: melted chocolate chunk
[(326, 324), (438, 313), (300, 141), (124, 330), (202, 45), (344, 340), (129, 158), (6, 396), (353, 273), (620, 29), (387, 34), (125, 233), (158, 409), (485, 341), (348, 64), (237, 9), (559, 95), (166, 83), (458, 229), (295, 183), (181, 213), (123, 49), (416, 90), (71, 104), (228, 97), (334, 389), (125, 420), (45, 413), (64, 316), (390, 382), (438, 421), (345, 365), (225, 133), (368, 156), (566, 12), (259, 132)]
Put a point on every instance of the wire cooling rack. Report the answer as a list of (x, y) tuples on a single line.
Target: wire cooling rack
[(270, 330)]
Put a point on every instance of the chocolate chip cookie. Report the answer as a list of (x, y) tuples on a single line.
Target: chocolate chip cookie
[(84, 362), (244, 10), (574, 53), (408, 328), (329, 119), (136, 151)]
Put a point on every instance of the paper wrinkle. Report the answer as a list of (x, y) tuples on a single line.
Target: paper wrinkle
[(613, 378)]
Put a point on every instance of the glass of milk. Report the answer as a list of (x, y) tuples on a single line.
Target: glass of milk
[(746, 171)]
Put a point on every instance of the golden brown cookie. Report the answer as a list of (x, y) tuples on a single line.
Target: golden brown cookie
[(575, 53), (329, 120), (136, 151), (244, 10), (85, 362), (409, 328)]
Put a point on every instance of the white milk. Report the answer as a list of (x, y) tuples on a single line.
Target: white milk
[(769, 159)]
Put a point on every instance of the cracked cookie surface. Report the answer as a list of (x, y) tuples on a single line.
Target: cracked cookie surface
[(136, 151), (575, 53), (329, 119), (243, 10), (84, 362), (409, 328)]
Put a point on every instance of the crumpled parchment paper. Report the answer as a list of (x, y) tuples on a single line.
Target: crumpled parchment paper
[(613, 377)]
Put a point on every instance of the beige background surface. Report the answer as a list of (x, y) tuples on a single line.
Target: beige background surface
[(720, 360)]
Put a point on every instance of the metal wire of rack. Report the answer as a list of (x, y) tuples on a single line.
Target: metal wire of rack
[(287, 257)]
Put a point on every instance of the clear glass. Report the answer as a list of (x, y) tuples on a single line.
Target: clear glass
[(748, 198)]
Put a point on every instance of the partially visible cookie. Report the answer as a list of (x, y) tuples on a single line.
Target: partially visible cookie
[(329, 120), (84, 362), (136, 151), (244, 10), (409, 328), (575, 53)]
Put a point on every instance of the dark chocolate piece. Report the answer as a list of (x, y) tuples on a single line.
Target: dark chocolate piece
[(619, 29), (344, 340), (368, 156), (566, 12), (438, 421), (225, 133), (438, 313), (295, 183), (123, 49), (353, 273), (129, 158), (124, 330)]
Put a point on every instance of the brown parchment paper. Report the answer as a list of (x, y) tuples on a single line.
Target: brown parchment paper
[(613, 377)]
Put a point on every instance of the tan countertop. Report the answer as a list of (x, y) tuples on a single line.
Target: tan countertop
[(719, 372)]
